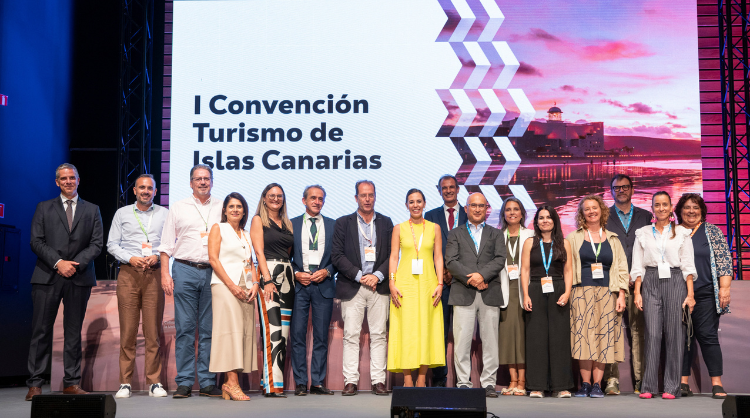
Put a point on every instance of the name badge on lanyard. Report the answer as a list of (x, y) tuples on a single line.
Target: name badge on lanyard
[(369, 249), (204, 234), (661, 245), (146, 249), (313, 258), (547, 286), (248, 268), (417, 264), (512, 268), (597, 269), (204, 238)]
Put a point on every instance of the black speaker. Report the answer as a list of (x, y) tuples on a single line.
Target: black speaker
[(736, 407), (73, 406), (438, 402)]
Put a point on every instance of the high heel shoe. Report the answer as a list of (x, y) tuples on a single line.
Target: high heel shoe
[(233, 392)]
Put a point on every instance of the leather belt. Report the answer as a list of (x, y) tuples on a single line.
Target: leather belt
[(199, 266)]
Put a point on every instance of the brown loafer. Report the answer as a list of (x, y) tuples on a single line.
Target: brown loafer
[(74, 390), (349, 390), (379, 389), (33, 391)]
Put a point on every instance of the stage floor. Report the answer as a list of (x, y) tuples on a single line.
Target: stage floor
[(140, 405)]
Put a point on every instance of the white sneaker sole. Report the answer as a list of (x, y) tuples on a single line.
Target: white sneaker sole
[(153, 395), (118, 396)]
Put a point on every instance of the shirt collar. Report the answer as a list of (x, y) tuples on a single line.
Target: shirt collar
[(198, 201), (150, 208), (621, 212), (64, 199), (359, 216), (445, 207), (477, 227), (319, 216)]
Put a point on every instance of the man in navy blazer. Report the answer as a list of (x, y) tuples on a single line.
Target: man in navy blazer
[(315, 288), (453, 211), (66, 236), (361, 252)]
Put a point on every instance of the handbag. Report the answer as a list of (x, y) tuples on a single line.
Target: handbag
[(687, 319)]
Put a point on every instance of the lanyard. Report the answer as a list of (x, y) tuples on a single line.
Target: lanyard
[(695, 229), (201, 213), (630, 218), (512, 248), (148, 228), (598, 249), (414, 237), (547, 262), (663, 248), (468, 228), (363, 232), (245, 249), (317, 233)]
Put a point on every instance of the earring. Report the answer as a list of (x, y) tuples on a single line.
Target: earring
[(653, 219), (671, 217)]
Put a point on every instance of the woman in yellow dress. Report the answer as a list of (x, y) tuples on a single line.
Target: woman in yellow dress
[(416, 283)]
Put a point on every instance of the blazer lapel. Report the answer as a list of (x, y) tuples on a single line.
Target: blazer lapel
[(468, 239), (60, 209), (298, 237), (483, 241), (618, 226), (80, 207), (354, 235)]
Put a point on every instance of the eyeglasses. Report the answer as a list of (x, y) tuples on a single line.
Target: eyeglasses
[(275, 196), (477, 205), (624, 188), (201, 179)]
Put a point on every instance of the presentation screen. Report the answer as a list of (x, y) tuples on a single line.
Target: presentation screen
[(542, 100)]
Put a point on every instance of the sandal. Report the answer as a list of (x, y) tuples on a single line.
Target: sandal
[(537, 394), (233, 392), (685, 390), (510, 390), (520, 388), (716, 389)]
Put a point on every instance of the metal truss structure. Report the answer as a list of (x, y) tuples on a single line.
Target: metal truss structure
[(136, 49)]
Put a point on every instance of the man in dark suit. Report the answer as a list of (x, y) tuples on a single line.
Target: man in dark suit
[(624, 219), (361, 252), (475, 255), (66, 236), (449, 215), (315, 288)]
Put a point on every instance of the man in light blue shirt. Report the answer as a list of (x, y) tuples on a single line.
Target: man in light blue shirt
[(133, 240)]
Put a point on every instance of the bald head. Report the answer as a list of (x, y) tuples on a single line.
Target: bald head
[(476, 208)]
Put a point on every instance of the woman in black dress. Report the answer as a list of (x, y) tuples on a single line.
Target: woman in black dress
[(547, 279), (271, 234)]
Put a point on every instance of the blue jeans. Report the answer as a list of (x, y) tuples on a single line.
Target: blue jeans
[(192, 309)]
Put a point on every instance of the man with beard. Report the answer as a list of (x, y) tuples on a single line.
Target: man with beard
[(134, 237)]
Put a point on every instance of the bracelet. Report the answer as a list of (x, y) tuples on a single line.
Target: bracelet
[(440, 284), (393, 277)]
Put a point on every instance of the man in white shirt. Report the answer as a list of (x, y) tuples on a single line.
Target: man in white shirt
[(315, 288), (133, 240), (448, 215), (185, 237)]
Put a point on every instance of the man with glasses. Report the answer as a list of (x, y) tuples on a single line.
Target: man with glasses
[(624, 219), (475, 255), (185, 237)]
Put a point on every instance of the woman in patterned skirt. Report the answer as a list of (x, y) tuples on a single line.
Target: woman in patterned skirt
[(600, 286), (271, 234)]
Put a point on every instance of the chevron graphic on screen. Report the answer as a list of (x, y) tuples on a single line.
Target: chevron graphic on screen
[(475, 110)]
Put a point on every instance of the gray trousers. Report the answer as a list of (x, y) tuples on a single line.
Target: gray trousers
[(662, 309), (464, 318)]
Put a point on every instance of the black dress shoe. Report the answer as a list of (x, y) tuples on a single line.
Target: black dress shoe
[(439, 384), (349, 390), (275, 395), (379, 389), (320, 390), (300, 390), (182, 392), (210, 390)]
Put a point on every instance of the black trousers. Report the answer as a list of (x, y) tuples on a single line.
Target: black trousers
[(305, 298), (46, 301), (706, 333), (548, 359)]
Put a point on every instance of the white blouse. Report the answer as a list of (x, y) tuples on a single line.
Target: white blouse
[(678, 252)]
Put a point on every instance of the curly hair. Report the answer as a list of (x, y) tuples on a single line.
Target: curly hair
[(695, 198), (603, 217)]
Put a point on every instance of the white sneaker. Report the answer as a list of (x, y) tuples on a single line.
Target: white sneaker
[(124, 392), (156, 390)]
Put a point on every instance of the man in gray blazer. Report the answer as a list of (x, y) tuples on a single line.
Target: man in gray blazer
[(475, 255), (66, 236)]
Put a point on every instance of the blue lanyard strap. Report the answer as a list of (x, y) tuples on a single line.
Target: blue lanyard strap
[(547, 262), (630, 218), (468, 228), (663, 247)]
